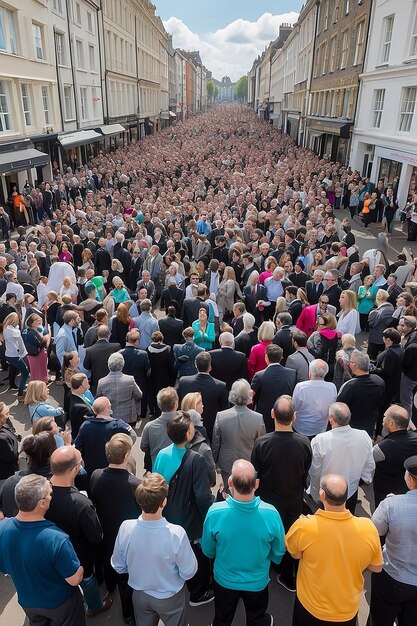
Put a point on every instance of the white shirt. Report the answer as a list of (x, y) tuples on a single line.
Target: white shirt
[(348, 323), (311, 400), (17, 290), (14, 342), (165, 549), (343, 450)]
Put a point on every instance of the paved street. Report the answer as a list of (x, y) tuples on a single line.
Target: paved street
[(280, 600)]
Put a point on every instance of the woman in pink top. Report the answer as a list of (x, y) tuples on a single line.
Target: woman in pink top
[(256, 361), (270, 264)]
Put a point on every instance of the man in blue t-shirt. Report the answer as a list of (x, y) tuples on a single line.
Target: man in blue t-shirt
[(40, 558)]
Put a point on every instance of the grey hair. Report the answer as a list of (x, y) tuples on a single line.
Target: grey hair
[(362, 360), (318, 368), (29, 490), (248, 320), (227, 339), (340, 412), (240, 393), (116, 362)]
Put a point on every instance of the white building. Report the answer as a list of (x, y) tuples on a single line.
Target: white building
[(181, 63), (384, 144)]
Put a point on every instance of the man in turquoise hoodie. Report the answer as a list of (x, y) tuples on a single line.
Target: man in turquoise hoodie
[(243, 535)]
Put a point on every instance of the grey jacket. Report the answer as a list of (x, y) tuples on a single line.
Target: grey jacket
[(379, 319), (123, 393), (235, 432), (299, 361)]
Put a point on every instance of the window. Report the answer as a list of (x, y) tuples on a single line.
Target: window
[(413, 42), (345, 105), (26, 104), (68, 102), (80, 54), (8, 34), (60, 48), (336, 11), (347, 7), (57, 6), (77, 13), (345, 49), (379, 97), (83, 99), (5, 118), (90, 22), (92, 57), (325, 16), (324, 59), (360, 38), (408, 103), (45, 103), (388, 24), (332, 55), (37, 39)]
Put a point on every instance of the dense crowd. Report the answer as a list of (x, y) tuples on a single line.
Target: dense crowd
[(242, 244)]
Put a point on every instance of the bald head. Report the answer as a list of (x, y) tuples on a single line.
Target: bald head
[(101, 406), (333, 490), (64, 460), (243, 478)]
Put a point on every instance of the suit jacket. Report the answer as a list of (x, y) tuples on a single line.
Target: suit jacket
[(174, 296), (78, 410), (251, 301), (283, 339), (389, 365), (65, 342), (235, 432), (124, 395), (268, 385), (333, 293), (171, 328), (237, 325), (124, 257), (190, 308), (96, 358), (299, 362), (228, 365), (313, 294), (294, 309), (244, 341), (102, 261), (136, 365), (213, 392), (135, 271)]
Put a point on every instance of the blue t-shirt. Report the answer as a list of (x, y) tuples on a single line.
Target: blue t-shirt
[(38, 556), (168, 461)]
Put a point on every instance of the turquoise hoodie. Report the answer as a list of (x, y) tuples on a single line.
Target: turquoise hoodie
[(243, 538)]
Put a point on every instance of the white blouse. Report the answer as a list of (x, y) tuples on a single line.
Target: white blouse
[(14, 342)]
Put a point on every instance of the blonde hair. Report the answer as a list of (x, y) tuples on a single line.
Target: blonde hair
[(11, 320), (35, 391), (381, 295), (348, 341), (280, 305), (190, 400), (266, 331), (351, 296)]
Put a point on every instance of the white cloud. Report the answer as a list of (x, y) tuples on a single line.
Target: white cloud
[(230, 51)]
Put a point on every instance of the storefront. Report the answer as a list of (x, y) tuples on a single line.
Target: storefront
[(113, 136), (292, 124), (18, 163), (396, 168), (329, 137), (78, 148)]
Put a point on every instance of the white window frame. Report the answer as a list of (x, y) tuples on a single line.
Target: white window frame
[(344, 49), (92, 57), (378, 108), (9, 30), (57, 6), (79, 45), (26, 103), (77, 16), (84, 103), (5, 109), (60, 48), (407, 108), (413, 37), (37, 33), (68, 103), (332, 53), (90, 22), (386, 39), (46, 104)]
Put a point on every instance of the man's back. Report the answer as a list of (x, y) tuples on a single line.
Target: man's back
[(92, 437), (390, 454), (364, 396), (228, 365), (155, 436), (213, 392), (340, 547), (312, 399), (269, 384)]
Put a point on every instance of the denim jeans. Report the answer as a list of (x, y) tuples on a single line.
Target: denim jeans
[(91, 593), (20, 365)]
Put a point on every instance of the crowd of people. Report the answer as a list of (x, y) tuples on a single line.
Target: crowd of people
[(202, 291)]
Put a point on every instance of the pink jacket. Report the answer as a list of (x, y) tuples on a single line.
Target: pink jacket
[(256, 361), (307, 320)]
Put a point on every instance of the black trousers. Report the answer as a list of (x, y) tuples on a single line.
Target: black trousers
[(199, 583), (301, 617), (226, 600), (391, 599), (70, 613)]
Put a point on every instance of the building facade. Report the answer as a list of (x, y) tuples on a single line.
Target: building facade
[(384, 145)]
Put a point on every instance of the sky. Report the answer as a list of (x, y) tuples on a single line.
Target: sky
[(228, 33)]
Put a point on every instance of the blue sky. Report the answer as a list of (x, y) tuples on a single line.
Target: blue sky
[(230, 33)]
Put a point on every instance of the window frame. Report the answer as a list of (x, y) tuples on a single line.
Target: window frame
[(84, 103), (6, 119), (46, 104), (69, 114), (38, 38), (385, 44), (27, 109), (377, 111), (405, 115), (344, 52)]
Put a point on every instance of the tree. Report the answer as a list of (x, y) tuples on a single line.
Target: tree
[(210, 90), (241, 89)]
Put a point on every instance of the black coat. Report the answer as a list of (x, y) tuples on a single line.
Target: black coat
[(96, 358), (136, 365), (171, 328), (78, 410), (295, 309), (333, 293), (244, 342), (268, 385), (190, 309), (102, 261), (172, 296), (9, 445), (389, 367), (251, 301), (228, 365), (389, 473), (213, 392), (313, 294), (163, 372), (283, 339), (364, 396)]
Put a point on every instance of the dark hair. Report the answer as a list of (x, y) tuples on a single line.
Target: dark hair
[(39, 448), (203, 361), (393, 334), (300, 337), (283, 414), (177, 427), (291, 290), (151, 493), (244, 484), (274, 353)]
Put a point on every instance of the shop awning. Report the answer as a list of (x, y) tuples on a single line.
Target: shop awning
[(172, 114), (19, 160), (111, 129), (79, 138), (329, 126)]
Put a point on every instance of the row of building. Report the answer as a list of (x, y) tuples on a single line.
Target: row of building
[(80, 76), (343, 82)]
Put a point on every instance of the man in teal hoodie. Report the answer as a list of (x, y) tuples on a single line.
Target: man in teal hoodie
[(243, 535)]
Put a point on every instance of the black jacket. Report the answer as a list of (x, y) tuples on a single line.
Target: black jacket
[(333, 293), (102, 261), (213, 392), (410, 356), (389, 366), (283, 339), (228, 365), (268, 385), (389, 473), (189, 496), (171, 328), (78, 410), (190, 308), (96, 357), (9, 444), (364, 396), (136, 364), (244, 342)]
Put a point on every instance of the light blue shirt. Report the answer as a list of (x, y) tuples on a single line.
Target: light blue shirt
[(396, 518), (311, 400), (274, 289), (165, 549)]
